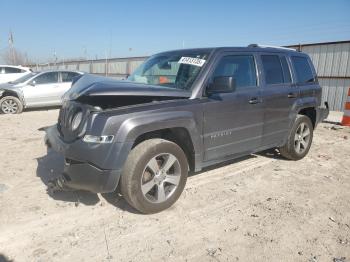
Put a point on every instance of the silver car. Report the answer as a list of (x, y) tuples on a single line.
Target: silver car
[(36, 90)]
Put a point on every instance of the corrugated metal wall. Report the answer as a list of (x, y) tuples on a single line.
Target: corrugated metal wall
[(115, 67), (332, 63), (331, 60)]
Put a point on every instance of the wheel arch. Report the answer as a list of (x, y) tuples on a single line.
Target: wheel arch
[(178, 127), (7, 92), (178, 135), (311, 113)]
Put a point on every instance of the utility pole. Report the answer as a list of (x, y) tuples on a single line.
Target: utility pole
[(106, 63), (12, 50), (55, 57)]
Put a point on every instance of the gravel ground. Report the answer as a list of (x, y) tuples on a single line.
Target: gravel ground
[(258, 208)]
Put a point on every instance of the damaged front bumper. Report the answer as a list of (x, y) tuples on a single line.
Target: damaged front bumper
[(92, 167)]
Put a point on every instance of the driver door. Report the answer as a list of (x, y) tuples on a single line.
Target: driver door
[(42, 90), (233, 122)]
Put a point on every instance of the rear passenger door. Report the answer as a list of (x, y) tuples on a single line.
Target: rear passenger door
[(278, 95)]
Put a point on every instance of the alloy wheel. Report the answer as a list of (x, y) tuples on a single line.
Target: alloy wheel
[(9, 106), (301, 138), (160, 178)]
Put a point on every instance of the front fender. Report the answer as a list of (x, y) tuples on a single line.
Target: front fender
[(13, 92), (133, 127)]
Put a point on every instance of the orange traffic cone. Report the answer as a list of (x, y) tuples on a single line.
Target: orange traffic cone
[(346, 116)]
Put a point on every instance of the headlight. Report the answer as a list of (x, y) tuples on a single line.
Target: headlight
[(98, 139), (77, 118)]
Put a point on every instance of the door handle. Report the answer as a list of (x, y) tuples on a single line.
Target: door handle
[(292, 95), (254, 100)]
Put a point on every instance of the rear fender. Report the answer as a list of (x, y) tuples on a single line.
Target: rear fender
[(300, 104)]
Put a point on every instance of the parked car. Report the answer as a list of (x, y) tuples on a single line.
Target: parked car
[(35, 90), (10, 73), (181, 111)]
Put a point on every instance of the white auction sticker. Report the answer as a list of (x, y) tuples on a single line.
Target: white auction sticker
[(192, 61)]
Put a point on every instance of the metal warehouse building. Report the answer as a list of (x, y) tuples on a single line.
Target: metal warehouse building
[(332, 63), (331, 60)]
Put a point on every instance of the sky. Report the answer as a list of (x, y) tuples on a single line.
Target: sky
[(91, 29)]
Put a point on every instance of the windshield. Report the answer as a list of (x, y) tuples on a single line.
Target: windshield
[(174, 70), (23, 78)]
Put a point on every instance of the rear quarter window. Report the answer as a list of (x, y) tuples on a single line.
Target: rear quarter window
[(302, 70)]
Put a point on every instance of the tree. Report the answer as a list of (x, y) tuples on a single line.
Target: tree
[(13, 56)]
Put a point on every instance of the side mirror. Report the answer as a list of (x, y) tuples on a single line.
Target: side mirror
[(32, 83), (222, 84)]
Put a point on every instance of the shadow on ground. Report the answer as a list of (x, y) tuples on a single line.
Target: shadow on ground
[(119, 202), (271, 153), (51, 166)]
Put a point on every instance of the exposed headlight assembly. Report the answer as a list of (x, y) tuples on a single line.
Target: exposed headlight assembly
[(98, 139), (77, 118)]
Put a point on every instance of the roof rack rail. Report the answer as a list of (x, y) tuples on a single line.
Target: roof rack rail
[(271, 46)]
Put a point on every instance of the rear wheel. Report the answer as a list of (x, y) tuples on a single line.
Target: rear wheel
[(154, 175), (11, 105), (299, 140)]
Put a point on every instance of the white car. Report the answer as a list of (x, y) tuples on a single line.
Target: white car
[(36, 90), (11, 73)]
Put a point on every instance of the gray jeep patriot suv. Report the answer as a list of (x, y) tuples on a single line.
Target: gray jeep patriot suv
[(181, 111)]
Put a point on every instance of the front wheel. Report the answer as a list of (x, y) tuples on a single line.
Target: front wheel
[(299, 140), (11, 105), (154, 175)]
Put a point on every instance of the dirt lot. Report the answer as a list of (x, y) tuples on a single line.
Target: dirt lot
[(260, 208)]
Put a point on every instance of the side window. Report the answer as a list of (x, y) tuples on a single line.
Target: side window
[(240, 67), (2, 70), (272, 69), (68, 76), (46, 78), (303, 70), (286, 71), (12, 70)]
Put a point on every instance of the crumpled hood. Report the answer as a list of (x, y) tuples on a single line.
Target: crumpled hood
[(93, 86)]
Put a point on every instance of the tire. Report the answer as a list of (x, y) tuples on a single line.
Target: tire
[(148, 173), (10, 105), (299, 140)]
